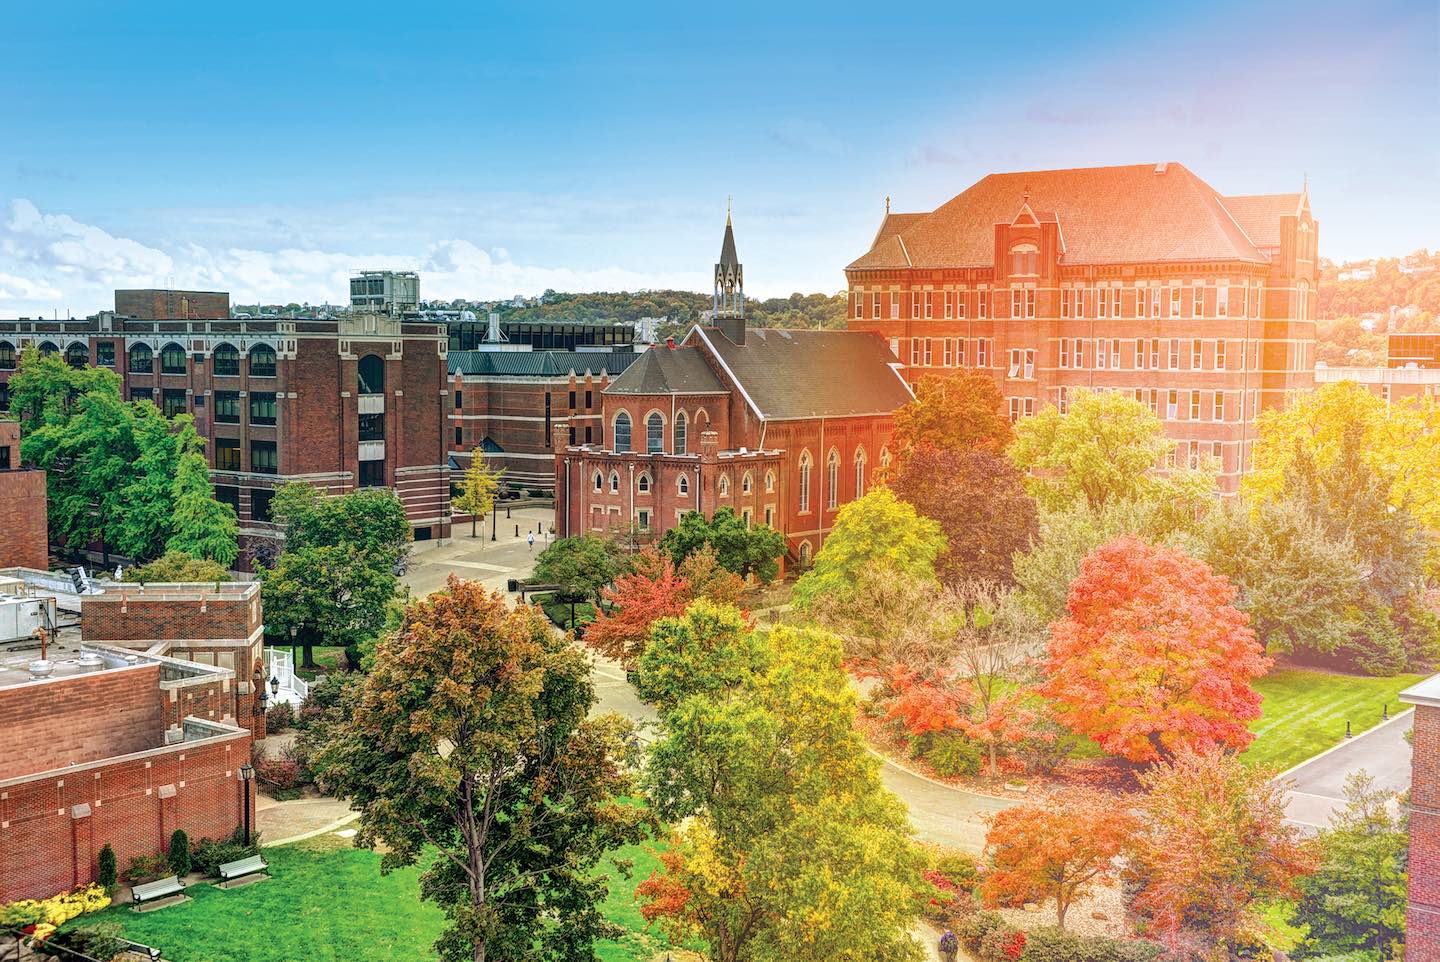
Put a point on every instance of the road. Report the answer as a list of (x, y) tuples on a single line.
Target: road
[(1317, 787), (940, 814)]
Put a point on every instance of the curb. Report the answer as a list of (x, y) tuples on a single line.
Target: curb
[(1402, 716), (887, 760)]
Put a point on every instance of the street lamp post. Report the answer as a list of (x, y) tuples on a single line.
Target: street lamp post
[(494, 516), (294, 630), (247, 775)]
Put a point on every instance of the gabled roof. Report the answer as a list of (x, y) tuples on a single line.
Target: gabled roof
[(1259, 215), (665, 370), (800, 374), (1138, 213), (540, 363)]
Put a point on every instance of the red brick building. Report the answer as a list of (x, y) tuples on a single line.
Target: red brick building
[(1142, 279), (782, 426), (359, 401), (96, 753), (1422, 921), (507, 403), (24, 535), (1412, 369), (150, 304)]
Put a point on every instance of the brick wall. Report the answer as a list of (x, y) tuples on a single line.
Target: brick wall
[(1423, 918), (52, 826), (24, 539), (126, 616), (162, 304), (50, 724)]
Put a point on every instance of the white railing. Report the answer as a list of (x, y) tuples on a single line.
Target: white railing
[(282, 666)]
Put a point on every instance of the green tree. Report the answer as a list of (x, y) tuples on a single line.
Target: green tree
[(479, 489), (176, 566), (371, 519), (332, 594), (105, 872), (790, 848), (582, 566), (707, 650), (471, 743), (1105, 449), (178, 853), (744, 550), (203, 527), (878, 528), (1356, 898)]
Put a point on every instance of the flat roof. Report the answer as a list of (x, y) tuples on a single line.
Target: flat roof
[(1425, 693)]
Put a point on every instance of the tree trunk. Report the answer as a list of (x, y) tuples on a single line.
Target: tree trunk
[(994, 760), (1154, 739), (472, 524), (309, 658), (1061, 907)]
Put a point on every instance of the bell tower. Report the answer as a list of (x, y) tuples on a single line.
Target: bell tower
[(728, 306)]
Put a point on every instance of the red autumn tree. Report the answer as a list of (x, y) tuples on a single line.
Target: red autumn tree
[(1211, 841), (956, 412), (1056, 849), (981, 505), (1152, 656), (653, 590)]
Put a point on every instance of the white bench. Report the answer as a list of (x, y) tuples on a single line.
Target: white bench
[(230, 871), (157, 889), (139, 948)]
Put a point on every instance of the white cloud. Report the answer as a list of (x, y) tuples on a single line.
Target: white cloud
[(52, 261)]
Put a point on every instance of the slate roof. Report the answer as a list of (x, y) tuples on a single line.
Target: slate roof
[(540, 363), (799, 374), (1139, 213), (663, 370)]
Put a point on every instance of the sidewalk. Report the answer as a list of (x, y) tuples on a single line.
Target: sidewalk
[(281, 822)]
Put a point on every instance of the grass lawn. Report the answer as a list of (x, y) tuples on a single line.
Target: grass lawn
[(328, 902), (327, 659), (1305, 711)]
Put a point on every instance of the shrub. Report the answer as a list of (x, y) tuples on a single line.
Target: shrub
[(103, 940), (953, 755), (105, 872), (1049, 944), (280, 717), (959, 869), (178, 854), (209, 854), (146, 868), (1002, 944), (974, 928)]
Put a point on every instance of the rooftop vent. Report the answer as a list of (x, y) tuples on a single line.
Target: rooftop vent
[(1160, 167)]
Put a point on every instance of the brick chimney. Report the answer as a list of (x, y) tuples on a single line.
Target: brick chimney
[(709, 446)]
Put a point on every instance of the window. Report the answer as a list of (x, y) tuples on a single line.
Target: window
[(598, 481), (895, 347), (949, 304), (260, 504), (1029, 302), (1140, 354), (1021, 407), (1217, 406), (859, 298), (832, 479), (227, 407), (929, 352), (7, 356), (588, 399), (142, 394), (622, 432), (370, 374), (1220, 355), (929, 304), (572, 400), (172, 359), (1196, 354), (1079, 300), (682, 485), (949, 352), (875, 305), (589, 428), (372, 426), (644, 520), (48, 347), (915, 305), (372, 474), (894, 305), (746, 483), (1154, 354), (1115, 354), (1017, 302), (1100, 353), (804, 554), (769, 482), (614, 482), (262, 361), (914, 352), (960, 352), (1024, 259), (226, 361), (1155, 302), (982, 352), (724, 485), (1062, 399), (1174, 300), (1065, 352), (263, 458), (77, 355), (1022, 362), (105, 353), (228, 494), (1102, 303), (172, 402), (859, 472), (1174, 354), (769, 516), (1194, 405), (142, 359), (982, 304), (262, 407), (680, 425), (960, 304), (1302, 301), (805, 482), (655, 434), (1258, 303), (227, 454), (643, 483), (459, 437), (459, 400), (1197, 300), (1222, 301), (1067, 298)]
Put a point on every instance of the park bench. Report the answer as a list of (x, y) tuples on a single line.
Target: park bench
[(157, 889), (241, 868), (139, 948)]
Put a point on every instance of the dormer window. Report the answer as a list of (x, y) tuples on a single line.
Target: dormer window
[(1024, 260)]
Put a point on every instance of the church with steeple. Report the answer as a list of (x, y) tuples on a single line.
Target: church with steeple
[(783, 427)]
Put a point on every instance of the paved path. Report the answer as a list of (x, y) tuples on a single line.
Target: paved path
[(1317, 787), (479, 558)]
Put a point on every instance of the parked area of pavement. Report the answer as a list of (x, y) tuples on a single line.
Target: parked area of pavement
[(1316, 788)]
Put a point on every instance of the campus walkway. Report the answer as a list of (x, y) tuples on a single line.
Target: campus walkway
[(1317, 787), (479, 558)]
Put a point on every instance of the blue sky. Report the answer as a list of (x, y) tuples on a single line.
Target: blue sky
[(269, 149)]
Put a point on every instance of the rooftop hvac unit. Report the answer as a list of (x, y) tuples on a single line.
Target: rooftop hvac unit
[(22, 618)]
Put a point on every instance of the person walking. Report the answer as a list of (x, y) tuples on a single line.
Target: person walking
[(531, 540)]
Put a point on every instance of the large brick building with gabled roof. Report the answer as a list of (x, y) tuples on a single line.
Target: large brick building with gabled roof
[(782, 426), (1142, 279)]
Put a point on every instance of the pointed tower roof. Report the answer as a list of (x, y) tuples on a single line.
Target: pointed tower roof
[(728, 257)]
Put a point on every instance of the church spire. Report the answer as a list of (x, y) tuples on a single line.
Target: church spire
[(728, 306)]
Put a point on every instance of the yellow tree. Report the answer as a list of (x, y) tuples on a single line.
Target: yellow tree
[(478, 490)]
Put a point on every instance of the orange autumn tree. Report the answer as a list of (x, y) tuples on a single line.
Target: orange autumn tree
[(655, 589), (957, 412), (1152, 656), (1056, 849)]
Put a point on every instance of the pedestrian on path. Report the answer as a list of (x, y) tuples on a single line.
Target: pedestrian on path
[(531, 540)]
